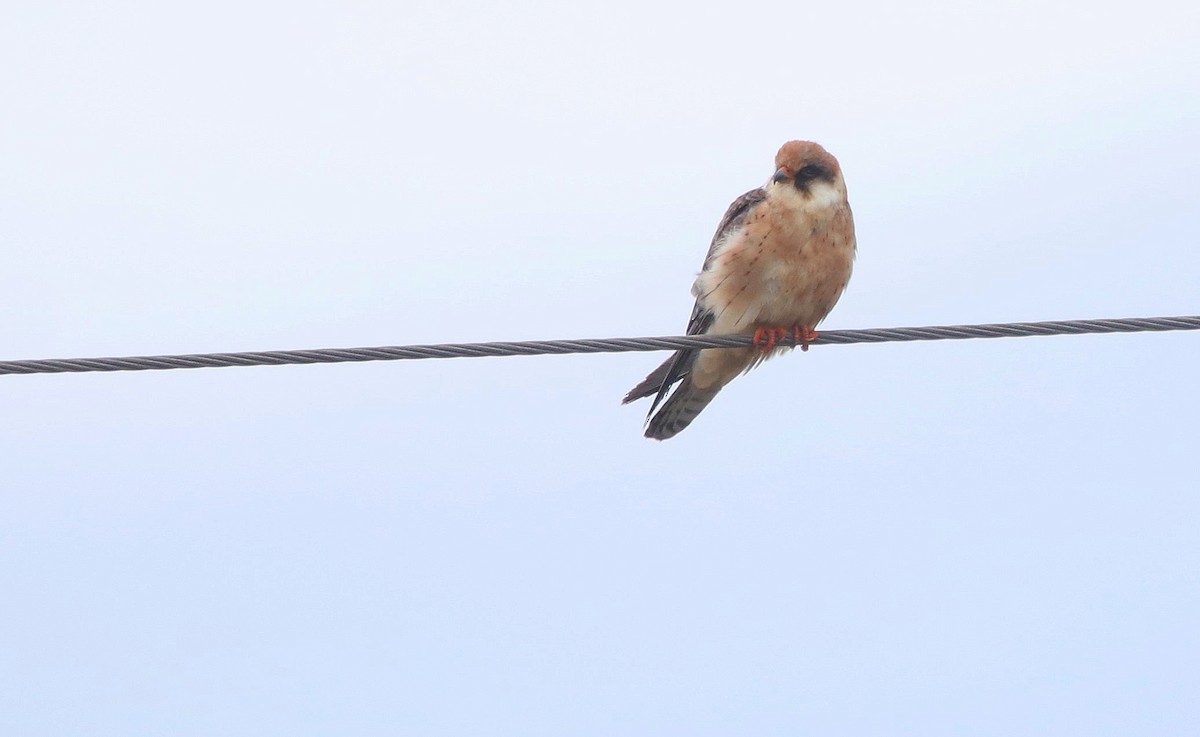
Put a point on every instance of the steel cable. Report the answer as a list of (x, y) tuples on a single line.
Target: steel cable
[(604, 345)]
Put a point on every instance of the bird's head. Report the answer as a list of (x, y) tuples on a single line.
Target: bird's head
[(803, 164)]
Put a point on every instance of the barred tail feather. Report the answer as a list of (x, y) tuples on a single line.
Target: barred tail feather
[(679, 411)]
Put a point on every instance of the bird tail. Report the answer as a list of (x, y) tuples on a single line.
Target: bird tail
[(651, 385), (679, 411)]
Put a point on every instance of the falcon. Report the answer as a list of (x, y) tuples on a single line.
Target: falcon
[(778, 263)]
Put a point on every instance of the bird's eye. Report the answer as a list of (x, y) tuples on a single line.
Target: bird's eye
[(810, 172)]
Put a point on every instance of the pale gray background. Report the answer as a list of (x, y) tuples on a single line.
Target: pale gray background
[(990, 538)]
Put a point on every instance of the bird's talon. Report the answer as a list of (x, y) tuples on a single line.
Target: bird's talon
[(763, 339), (768, 338), (803, 336)]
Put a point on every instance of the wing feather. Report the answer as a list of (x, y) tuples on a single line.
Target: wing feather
[(680, 364)]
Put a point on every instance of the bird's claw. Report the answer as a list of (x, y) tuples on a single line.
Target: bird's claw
[(767, 338), (803, 336)]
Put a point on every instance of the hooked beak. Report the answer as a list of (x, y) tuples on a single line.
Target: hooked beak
[(782, 174)]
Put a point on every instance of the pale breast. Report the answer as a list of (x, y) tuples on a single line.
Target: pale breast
[(787, 266)]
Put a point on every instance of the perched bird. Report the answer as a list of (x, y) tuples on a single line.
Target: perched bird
[(780, 259)]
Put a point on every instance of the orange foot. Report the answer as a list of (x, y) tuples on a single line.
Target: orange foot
[(802, 335), (767, 338)]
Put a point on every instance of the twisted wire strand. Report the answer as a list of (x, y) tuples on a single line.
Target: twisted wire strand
[(604, 345)]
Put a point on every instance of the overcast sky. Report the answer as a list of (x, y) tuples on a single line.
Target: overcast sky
[(988, 537)]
